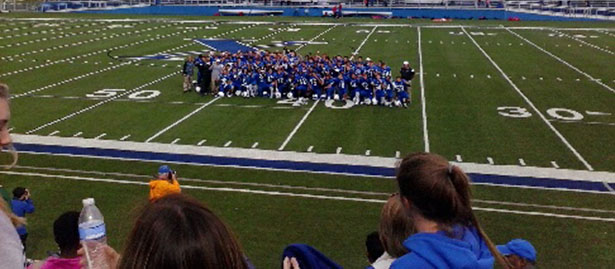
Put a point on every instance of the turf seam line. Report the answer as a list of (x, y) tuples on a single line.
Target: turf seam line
[(292, 133), (529, 102), (423, 102), (299, 195), (561, 60), (181, 120)]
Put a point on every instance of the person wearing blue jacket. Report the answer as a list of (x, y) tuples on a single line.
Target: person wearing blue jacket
[(22, 205), (437, 197)]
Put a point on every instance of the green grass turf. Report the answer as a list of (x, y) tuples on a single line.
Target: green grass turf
[(265, 224)]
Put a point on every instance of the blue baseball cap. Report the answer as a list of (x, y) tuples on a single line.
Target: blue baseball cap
[(519, 247), (164, 169)]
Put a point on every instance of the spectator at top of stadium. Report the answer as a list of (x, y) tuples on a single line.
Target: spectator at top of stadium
[(519, 253), (436, 195), (177, 231), (66, 235), (22, 205), (164, 184), (11, 249), (395, 227)]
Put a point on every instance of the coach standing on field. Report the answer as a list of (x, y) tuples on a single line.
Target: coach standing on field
[(406, 71)]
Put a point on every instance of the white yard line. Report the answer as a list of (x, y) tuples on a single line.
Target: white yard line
[(201, 142), (255, 145), (316, 37), (181, 120), (363, 43), (293, 194), (527, 100), (294, 131), (584, 42), (562, 61), (100, 136), (101, 103), (423, 99)]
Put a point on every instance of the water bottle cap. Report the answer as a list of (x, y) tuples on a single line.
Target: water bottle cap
[(88, 201)]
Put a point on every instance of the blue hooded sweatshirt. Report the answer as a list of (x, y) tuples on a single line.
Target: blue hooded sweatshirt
[(437, 250)]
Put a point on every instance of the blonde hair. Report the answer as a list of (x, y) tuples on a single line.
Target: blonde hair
[(395, 226), (4, 91)]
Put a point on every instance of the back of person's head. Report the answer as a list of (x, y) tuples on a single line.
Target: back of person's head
[(177, 231), (18, 192), (440, 192), (66, 231), (374, 247), (395, 227)]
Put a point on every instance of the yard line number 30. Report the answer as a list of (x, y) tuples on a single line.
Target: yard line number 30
[(557, 113)]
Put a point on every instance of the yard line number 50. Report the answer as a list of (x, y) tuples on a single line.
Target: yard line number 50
[(557, 113), (140, 95)]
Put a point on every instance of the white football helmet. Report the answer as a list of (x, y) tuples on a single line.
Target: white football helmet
[(221, 94), (336, 97), (374, 101), (289, 95), (368, 101), (197, 89), (278, 95)]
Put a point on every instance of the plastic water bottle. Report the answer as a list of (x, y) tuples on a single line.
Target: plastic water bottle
[(92, 233)]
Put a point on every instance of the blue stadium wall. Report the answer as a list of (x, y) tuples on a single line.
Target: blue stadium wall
[(317, 12)]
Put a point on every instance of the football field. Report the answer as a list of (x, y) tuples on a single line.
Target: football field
[(492, 94)]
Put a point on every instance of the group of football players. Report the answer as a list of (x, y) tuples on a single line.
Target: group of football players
[(288, 75)]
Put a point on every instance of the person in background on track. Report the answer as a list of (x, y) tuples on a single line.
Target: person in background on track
[(163, 185), (66, 235), (519, 253), (22, 205), (436, 196), (187, 72)]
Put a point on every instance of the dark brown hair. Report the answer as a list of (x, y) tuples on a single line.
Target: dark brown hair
[(440, 192), (395, 227), (177, 231)]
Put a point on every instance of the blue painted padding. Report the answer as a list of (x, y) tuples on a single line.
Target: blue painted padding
[(224, 45), (359, 170), (499, 14)]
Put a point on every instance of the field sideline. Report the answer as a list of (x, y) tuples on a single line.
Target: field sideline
[(499, 95)]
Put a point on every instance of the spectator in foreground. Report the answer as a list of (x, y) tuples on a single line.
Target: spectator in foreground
[(395, 227), (22, 205), (164, 184), (11, 248), (437, 197), (66, 235), (177, 231), (519, 253), (374, 248)]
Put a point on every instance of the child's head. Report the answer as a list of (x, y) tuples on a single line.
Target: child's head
[(374, 247)]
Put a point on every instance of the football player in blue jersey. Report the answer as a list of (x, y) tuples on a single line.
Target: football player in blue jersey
[(402, 95)]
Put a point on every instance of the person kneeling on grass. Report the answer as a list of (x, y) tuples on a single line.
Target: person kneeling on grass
[(66, 235), (165, 184), (519, 253)]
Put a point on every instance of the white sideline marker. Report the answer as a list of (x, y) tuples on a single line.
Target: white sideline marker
[(175, 141), (76, 134), (522, 162), (458, 158), (490, 160), (423, 103), (201, 142), (228, 143), (124, 137), (255, 145), (100, 136), (338, 150), (54, 133), (310, 148), (554, 164), (397, 154), (368, 152)]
